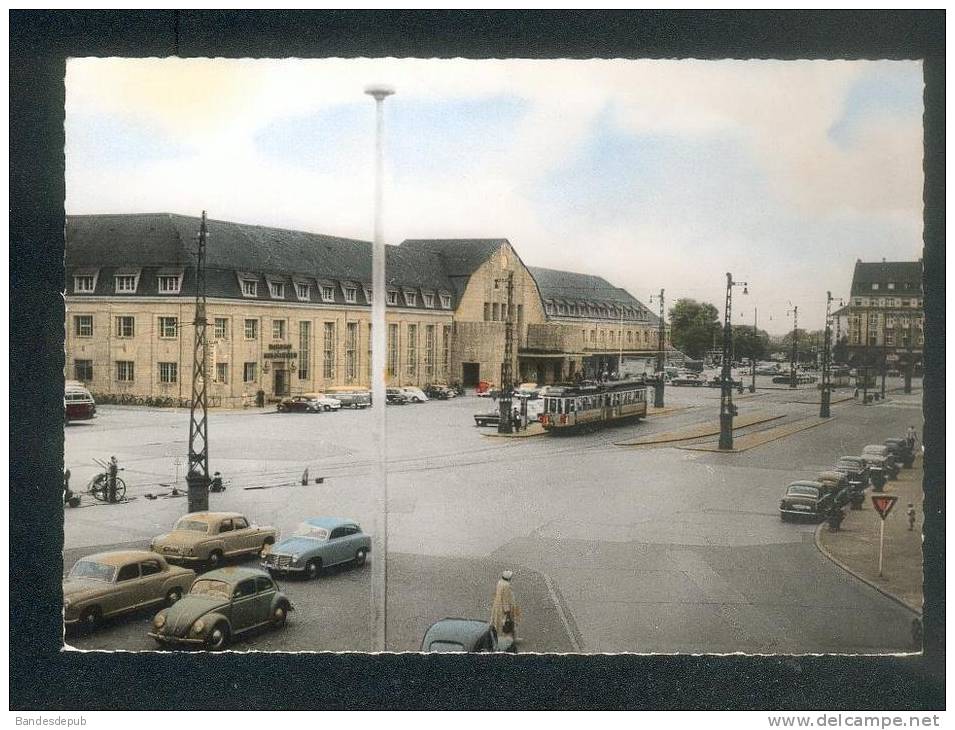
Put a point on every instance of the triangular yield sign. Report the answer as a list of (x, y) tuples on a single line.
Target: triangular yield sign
[(884, 503)]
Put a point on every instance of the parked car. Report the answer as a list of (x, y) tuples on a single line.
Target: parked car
[(319, 542), (488, 418), (103, 585), (801, 379), (891, 465), (309, 403), (440, 392), (805, 499), (855, 468), (837, 483), (901, 450), (527, 390), (767, 370), (717, 382), (414, 395), (210, 537), (460, 635), (394, 397), (353, 398), (221, 605), (687, 379), (878, 470), (78, 403), (484, 388)]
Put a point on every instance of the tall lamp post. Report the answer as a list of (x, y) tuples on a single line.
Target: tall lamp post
[(379, 562), (197, 477), (752, 361), (885, 365), (826, 355), (795, 353), (661, 354), (727, 409)]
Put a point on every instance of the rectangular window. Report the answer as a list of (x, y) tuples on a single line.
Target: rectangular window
[(222, 372), (351, 351), (84, 284), (875, 287), (169, 284), (168, 372), (429, 351), (891, 285), (83, 325), (277, 290), (83, 370), (304, 349), (905, 302), (446, 359), (368, 294), (412, 367), (302, 291), (125, 371), (251, 329), (328, 354), (392, 349), (411, 299), (428, 300), (368, 359), (221, 331), (125, 326), (168, 327), (593, 336), (250, 288), (495, 312), (351, 295), (446, 301), (249, 372), (328, 293), (278, 329), (393, 298), (487, 311), (126, 284)]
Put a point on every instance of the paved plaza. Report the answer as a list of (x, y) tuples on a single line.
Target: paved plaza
[(647, 548)]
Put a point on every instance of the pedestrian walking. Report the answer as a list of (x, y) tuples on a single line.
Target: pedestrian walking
[(912, 437), (910, 513), (516, 420), (504, 611), (111, 481)]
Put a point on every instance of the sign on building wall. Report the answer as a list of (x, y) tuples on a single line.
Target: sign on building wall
[(280, 352)]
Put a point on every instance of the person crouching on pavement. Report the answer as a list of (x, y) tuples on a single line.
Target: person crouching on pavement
[(504, 610)]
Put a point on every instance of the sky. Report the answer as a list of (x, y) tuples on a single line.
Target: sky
[(651, 173)]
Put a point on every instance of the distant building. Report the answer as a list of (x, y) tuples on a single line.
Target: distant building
[(290, 312), (885, 314)]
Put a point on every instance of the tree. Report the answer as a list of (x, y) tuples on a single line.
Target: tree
[(693, 327), (747, 345), (840, 351)]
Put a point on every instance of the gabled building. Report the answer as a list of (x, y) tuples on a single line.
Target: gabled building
[(885, 313), (290, 312)]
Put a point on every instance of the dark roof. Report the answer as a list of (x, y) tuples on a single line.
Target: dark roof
[(153, 241), (568, 286), (906, 275), (460, 257)]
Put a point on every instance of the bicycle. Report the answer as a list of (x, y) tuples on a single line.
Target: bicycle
[(98, 486)]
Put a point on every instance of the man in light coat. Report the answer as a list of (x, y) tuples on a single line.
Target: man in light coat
[(504, 605)]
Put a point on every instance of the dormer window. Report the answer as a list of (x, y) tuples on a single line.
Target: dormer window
[(875, 286), (84, 284), (428, 300), (277, 290), (170, 283), (549, 307), (393, 298), (302, 291), (891, 285), (126, 283), (250, 288), (351, 295), (367, 290), (411, 298), (446, 301), (328, 293)]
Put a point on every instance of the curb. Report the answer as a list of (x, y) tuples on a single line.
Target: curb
[(572, 634), (856, 575)]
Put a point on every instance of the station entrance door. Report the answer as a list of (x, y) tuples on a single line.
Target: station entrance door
[(471, 374)]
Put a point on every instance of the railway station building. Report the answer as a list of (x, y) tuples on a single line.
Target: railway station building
[(290, 312)]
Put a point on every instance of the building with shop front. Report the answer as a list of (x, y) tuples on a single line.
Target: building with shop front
[(290, 312), (884, 318)]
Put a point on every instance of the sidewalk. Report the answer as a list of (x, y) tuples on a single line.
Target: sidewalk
[(855, 547)]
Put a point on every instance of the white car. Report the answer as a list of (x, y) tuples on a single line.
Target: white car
[(322, 402), (415, 395)]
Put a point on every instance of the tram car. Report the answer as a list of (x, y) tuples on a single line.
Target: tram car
[(568, 408)]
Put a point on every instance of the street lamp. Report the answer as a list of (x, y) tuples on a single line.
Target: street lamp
[(727, 409), (661, 354), (795, 353), (379, 562), (826, 395)]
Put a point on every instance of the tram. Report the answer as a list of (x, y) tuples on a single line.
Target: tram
[(568, 408)]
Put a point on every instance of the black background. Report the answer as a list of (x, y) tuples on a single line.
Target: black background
[(44, 677)]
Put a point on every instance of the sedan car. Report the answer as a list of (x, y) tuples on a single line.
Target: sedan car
[(855, 469), (805, 499), (108, 584), (309, 403), (221, 605), (687, 379), (460, 635), (394, 397), (488, 418), (353, 399), (439, 392), (210, 537), (415, 395), (891, 465), (319, 542)]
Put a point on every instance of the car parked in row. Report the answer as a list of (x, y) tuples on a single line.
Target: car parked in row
[(221, 605), (353, 399), (891, 466), (318, 543), (414, 395), (78, 403), (805, 498), (109, 584), (440, 392), (394, 397), (691, 379), (309, 403), (208, 538)]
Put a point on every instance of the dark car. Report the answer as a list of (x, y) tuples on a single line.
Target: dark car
[(460, 635), (855, 468), (902, 450), (717, 382), (806, 499), (439, 392), (394, 397), (220, 605), (489, 418), (687, 379)]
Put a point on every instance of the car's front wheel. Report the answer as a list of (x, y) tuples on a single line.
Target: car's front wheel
[(279, 615), (360, 557), (326, 408), (91, 618), (218, 637), (313, 568)]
